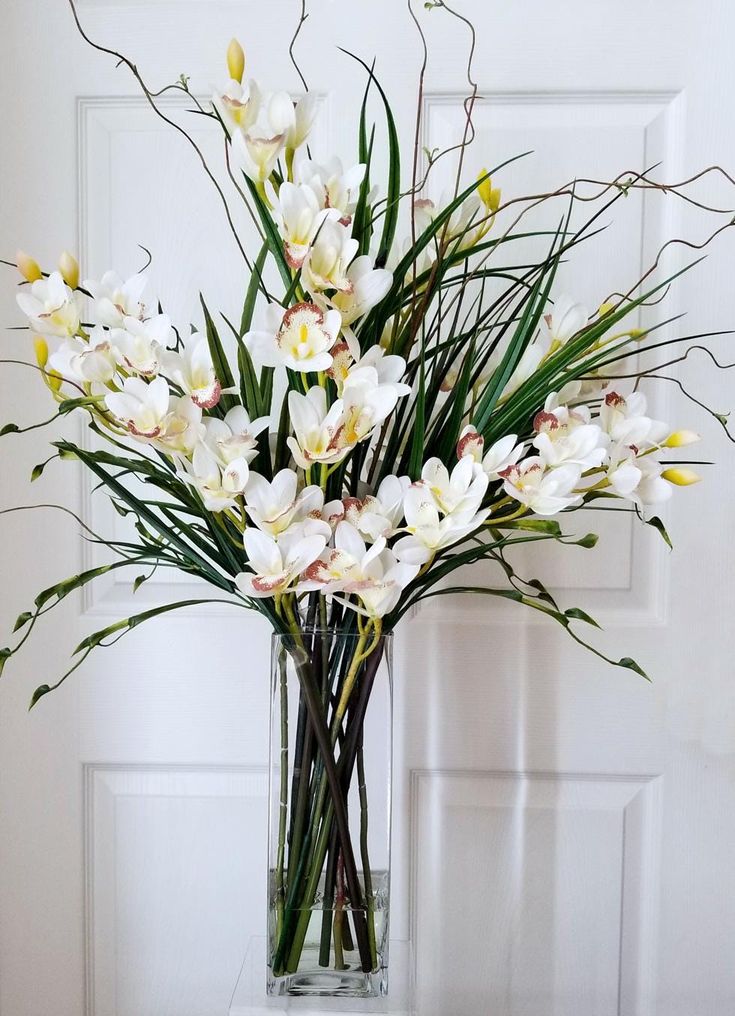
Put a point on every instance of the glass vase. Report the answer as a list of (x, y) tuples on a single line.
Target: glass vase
[(330, 812)]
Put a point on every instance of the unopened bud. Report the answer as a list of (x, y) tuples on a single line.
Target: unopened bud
[(69, 268), (41, 347), (605, 309), (235, 60), (681, 477), (681, 438), (28, 268), (54, 380), (489, 195)]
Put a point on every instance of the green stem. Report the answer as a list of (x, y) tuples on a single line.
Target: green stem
[(283, 803), (366, 872)]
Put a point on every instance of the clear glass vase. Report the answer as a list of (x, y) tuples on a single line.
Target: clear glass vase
[(330, 812)]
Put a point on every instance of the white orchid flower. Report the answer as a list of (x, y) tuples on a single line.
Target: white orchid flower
[(299, 338), (95, 361), (625, 420), (366, 403), (564, 436), (276, 505), (637, 479), (378, 516), (294, 119), (332, 186), (329, 257), (141, 344), (564, 321), (275, 565), (298, 215), (193, 371), (256, 148), (115, 300), (374, 575), (379, 368), (470, 443), (505, 452), (318, 430), (235, 436), (218, 487), (343, 360), (51, 307), (182, 429), (545, 491), (368, 286), (238, 105), (141, 407), (428, 531), (460, 491)]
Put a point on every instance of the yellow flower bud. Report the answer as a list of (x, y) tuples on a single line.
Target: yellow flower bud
[(41, 347), (681, 438), (605, 308), (69, 268), (484, 188), (637, 334), (28, 268), (235, 60), (54, 380), (681, 477)]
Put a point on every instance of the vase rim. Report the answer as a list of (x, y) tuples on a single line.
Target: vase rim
[(316, 629)]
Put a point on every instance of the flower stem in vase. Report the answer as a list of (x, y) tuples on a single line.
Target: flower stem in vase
[(283, 802)]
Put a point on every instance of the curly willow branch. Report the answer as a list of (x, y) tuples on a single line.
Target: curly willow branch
[(151, 97)]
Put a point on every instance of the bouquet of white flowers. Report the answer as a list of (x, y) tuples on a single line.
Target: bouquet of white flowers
[(388, 413)]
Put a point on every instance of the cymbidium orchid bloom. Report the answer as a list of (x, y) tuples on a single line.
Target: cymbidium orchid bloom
[(332, 187), (94, 361), (193, 371), (238, 105), (151, 414), (235, 437), (389, 369), (544, 490), (366, 403), (275, 565), (460, 491), (219, 487), (379, 515), (564, 436), (637, 479), (428, 531), (566, 319), (326, 265), (295, 119), (316, 428), (182, 428), (624, 419), (368, 286), (115, 300), (299, 216), (141, 407), (373, 574), (142, 344), (275, 505), (256, 149), (51, 307), (300, 337), (505, 452)]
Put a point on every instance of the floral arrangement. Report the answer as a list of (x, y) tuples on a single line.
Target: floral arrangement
[(385, 411)]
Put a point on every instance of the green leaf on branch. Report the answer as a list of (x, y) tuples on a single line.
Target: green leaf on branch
[(577, 614), (42, 690), (22, 620), (660, 528), (5, 655), (9, 428)]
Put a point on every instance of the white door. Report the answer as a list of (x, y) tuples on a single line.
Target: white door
[(564, 832)]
